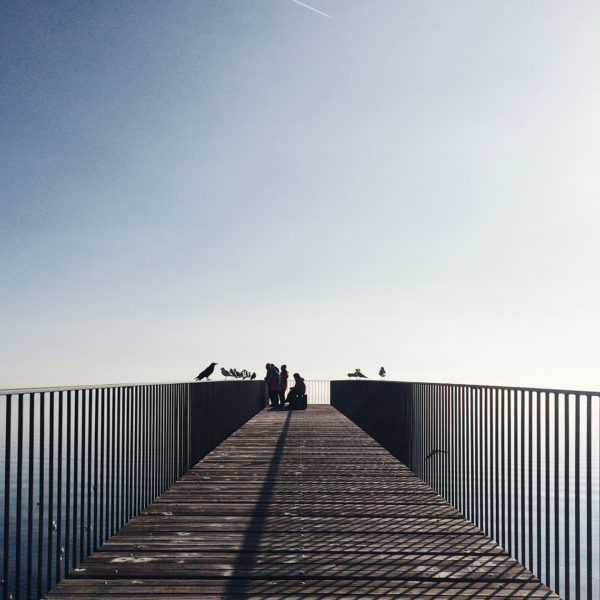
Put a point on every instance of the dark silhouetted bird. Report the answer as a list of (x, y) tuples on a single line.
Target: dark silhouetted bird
[(253, 376), (207, 372), (225, 372), (382, 372), (357, 373), (434, 452)]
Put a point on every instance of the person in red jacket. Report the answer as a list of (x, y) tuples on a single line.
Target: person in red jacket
[(283, 375), (274, 382)]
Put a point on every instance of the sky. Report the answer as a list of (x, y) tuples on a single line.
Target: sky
[(411, 183)]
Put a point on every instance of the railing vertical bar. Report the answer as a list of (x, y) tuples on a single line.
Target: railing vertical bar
[(113, 452), (30, 478), (84, 401), (59, 488), (556, 496), (466, 451), (93, 533), (483, 495), (472, 471), (19, 494), (161, 436), (538, 463), (99, 477), (530, 479), (88, 527), (129, 429), (68, 490), (51, 523), (136, 429), (503, 462), (547, 503), (516, 473), (510, 467), (452, 449), (577, 498), (588, 497), (496, 469), (123, 458), (6, 524), (42, 470), (114, 413), (524, 399), (567, 501)]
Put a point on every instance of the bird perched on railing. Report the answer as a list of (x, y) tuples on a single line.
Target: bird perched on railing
[(225, 372), (357, 373), (382, 372), (253, 376), (207, 372)]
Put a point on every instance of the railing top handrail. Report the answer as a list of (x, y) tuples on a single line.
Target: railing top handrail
[(483, 386), (103, 386)]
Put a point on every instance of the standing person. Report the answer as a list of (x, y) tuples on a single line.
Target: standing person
[(283, 387), (274, 382)]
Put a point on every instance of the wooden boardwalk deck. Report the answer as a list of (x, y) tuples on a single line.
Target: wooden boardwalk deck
[(299, 505)]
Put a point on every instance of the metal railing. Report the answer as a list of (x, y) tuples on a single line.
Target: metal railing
[(523, 464), (317, 391), (80, 462)]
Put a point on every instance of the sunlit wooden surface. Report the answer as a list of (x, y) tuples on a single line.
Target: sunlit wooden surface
[(300, 505)]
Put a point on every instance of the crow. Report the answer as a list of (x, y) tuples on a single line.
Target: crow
[(434, 452), (207, 372), (225, 372), (382, 372)]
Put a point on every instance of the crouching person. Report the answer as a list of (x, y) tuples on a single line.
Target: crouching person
[(297, 395)]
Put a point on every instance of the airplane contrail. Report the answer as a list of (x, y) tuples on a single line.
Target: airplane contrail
[(313, 9)]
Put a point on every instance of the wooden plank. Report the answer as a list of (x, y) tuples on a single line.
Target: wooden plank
[(298, 505)]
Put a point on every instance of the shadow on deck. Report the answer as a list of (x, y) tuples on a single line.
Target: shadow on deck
[(293, 505)]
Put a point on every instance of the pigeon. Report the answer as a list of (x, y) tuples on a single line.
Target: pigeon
[(382, 372), (225, 372), (434, 452), (245, 374), (253, 376), (356, 373), (207, 372), (235, 373)]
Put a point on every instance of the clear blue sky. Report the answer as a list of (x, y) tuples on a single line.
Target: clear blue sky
[(412, 184)]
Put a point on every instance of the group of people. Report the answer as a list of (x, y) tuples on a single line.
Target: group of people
[(277, 380)]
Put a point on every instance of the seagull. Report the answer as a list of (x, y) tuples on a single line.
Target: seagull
[(225, 372), (434, 452), (207, 372), (382, 372)]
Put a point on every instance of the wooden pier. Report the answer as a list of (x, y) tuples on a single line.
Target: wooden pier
[(299, 504)]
